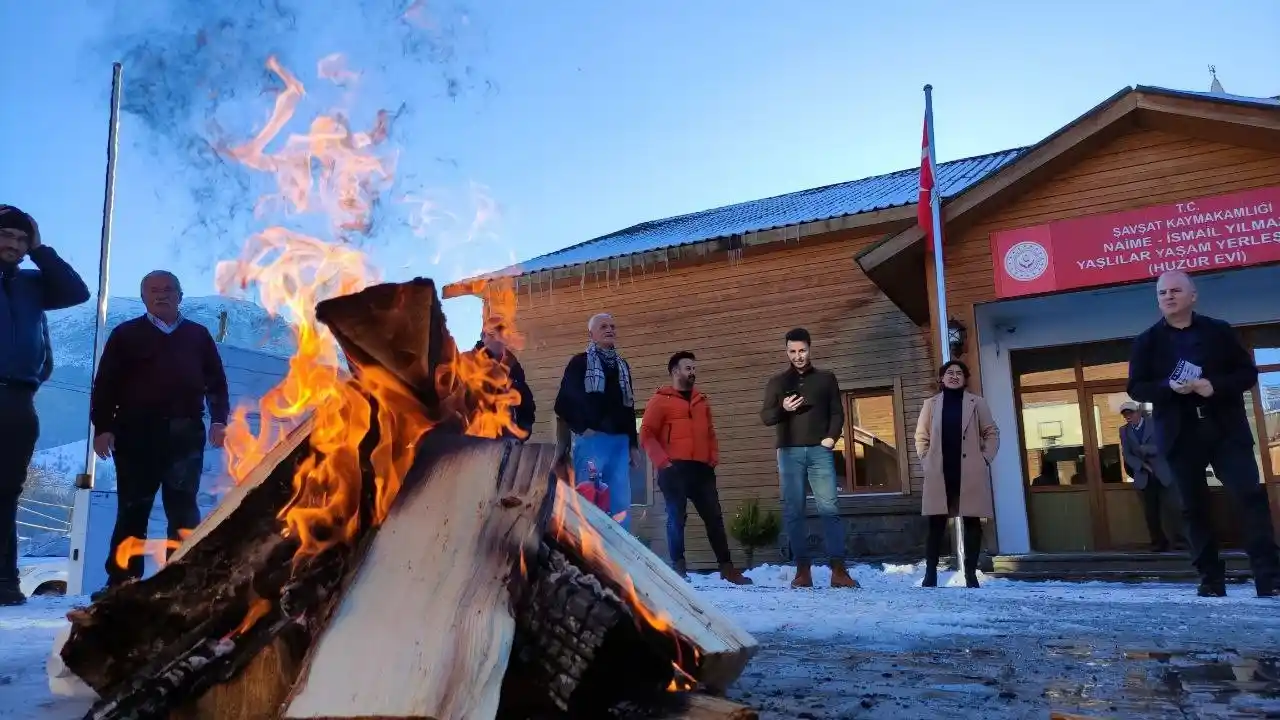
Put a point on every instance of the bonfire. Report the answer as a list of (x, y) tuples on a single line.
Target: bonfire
[(382, 553)]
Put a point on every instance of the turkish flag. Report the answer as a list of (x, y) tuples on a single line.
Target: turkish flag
[(924, 211)]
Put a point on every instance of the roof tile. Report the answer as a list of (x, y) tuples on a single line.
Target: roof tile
[(849, 198)]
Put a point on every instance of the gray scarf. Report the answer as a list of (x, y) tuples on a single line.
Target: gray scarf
[(598, 359)]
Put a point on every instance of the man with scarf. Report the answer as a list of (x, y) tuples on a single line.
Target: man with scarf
[(596, 416), (495, 348), (25, 362)]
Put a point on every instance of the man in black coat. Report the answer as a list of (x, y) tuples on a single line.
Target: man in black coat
[(495, 348), (1195, 371)]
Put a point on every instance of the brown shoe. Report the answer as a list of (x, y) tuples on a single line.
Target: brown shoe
[(803, 577), (734, 575), (840, 577)]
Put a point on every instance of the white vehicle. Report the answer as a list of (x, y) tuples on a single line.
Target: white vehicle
[(42, 576)]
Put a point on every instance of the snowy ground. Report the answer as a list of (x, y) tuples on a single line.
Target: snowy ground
[(894, 650)]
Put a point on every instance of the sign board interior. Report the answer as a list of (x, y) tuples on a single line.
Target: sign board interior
[(1201, 235)]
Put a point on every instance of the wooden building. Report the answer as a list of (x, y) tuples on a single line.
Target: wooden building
[(847, 262)]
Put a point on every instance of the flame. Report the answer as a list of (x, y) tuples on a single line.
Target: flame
[(258, 608), (681, 681), (340, 173), (158, 549)]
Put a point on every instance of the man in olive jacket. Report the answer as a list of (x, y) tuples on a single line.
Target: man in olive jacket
[(804, 406)]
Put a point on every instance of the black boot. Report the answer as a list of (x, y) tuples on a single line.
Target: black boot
[(933, 549), (972, 549)]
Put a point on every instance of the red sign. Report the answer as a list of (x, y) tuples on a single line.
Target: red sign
[(1214, 233)]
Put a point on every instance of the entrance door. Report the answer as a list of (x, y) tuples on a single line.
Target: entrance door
[(1119, 504)]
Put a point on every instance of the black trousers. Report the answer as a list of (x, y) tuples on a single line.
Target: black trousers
[(1154, 498), (680, 483), (972, 531), (19, 430), (164, 455), (1201, 444)]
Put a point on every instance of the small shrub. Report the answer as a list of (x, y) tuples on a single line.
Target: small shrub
[(754, 528)]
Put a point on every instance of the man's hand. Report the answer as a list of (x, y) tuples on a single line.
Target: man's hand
[(34, 241), (1180, 388), (104, 445), (828, 443), (791, 403), (1202, 387), (217, 435), (635, 457)]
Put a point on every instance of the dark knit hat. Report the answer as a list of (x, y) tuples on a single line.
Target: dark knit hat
[(11, 218)]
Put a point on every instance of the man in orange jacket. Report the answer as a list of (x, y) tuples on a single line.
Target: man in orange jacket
[(678, 435)]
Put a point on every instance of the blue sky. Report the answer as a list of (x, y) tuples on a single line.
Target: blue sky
[(583, 117)]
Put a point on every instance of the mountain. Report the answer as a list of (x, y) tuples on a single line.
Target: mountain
[(248, 326)]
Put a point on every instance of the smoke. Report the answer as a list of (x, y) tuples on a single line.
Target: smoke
[(195, 78)]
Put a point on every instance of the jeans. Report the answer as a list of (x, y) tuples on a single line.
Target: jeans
[(19, 430), (611, 455), (815, 465), (684, 481), (165, 456)]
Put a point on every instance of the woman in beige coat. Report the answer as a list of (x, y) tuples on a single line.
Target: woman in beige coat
[(956, 440)]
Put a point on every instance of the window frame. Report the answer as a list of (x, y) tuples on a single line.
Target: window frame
[(902, 483)]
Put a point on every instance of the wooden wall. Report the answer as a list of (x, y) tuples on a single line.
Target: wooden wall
[(1138, 169), (733, 317)]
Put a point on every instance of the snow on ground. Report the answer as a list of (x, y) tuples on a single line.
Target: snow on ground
[(895, 650)]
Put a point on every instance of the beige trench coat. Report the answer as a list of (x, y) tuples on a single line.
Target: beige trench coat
[(978, 445)]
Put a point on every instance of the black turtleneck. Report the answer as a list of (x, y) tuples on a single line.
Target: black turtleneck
[(952, 432)]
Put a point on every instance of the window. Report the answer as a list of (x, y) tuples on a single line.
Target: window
[(641, 475), (870, 455)]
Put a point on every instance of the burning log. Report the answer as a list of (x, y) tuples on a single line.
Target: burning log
[(426, 628), (377, 563), (706, 644)]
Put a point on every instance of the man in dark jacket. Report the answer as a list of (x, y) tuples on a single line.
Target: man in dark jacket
[(1194, 370), (25, 362), (596, 415), (156, 374), (494, 347), (804, 406)]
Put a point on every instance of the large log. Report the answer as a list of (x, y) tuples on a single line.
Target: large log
[(673, 608), (205, 593), (426, 628), (399, 328)]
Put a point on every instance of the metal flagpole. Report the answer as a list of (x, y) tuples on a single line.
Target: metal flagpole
[(84, 482), (939, 276), (104, 255)]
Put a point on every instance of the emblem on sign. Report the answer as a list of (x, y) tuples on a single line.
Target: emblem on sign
[(1026, 261)]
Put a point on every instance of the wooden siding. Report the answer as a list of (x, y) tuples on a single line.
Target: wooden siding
[(733, 317), (1138, 169)]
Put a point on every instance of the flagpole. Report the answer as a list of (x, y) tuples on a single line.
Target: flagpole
[(104, 259), (940, 280)]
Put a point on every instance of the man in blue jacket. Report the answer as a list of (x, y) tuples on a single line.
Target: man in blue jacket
[(25, 362)]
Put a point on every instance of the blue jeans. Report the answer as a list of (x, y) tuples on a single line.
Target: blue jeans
[(816, 465), (612, 457)]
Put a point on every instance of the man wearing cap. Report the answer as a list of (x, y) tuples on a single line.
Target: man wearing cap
[(1151, 474), (25, 363)]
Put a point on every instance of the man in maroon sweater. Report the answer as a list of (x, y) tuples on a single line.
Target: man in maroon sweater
[(156, 374)]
